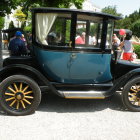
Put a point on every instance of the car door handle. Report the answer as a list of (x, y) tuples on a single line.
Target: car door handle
[(73, 55)]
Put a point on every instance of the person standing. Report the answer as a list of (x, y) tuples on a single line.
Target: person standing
[(115, 47), (79, 39), (116, 39), (127, 46), (17, 46)]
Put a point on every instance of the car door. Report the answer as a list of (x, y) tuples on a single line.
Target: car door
[(64, 61), (90, 67), (53, 51), (90, 63)]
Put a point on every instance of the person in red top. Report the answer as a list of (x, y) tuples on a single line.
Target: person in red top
[(79, 39)]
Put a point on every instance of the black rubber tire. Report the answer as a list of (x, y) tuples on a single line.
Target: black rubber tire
[(125, 91), (32, 84)]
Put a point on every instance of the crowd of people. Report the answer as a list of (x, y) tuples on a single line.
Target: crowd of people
[(125, 46), (18, 45)]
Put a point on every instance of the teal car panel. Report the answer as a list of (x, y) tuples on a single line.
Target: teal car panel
[(68, 67), (90, 67), (54, 64)]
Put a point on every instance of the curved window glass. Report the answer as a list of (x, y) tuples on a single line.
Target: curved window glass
[(72, 30), (53, 29), (88, 31), (109, 34)]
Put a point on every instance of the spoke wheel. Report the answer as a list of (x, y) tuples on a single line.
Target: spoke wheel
[(20, 95), (131, 94)]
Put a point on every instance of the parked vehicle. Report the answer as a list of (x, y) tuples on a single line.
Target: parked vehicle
[(60, 66)]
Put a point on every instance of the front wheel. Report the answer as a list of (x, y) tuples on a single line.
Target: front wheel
[(131, 94), (19, 95)]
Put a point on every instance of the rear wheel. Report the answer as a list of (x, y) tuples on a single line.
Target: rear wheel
[(131, 94), (19, 95)]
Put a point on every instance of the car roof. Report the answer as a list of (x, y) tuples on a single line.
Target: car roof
[(79, 11)]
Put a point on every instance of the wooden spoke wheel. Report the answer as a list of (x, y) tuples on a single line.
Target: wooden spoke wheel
[(131, 94), (19, 95)]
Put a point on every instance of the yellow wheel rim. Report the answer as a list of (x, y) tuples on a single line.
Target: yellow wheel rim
[(134, 95), (19, 95)]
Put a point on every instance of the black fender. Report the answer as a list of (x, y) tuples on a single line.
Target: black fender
[(28, 71), (121, 82)]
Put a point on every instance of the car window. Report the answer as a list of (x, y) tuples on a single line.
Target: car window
[(109, 34), (53, 29), (88, 31)]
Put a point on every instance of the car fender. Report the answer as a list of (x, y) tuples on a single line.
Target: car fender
[(26, 70), (121, 82)]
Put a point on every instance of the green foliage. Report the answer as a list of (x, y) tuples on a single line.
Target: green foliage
[(134, 16), (131, 22), (7, 5), (68, 24), (28, 28), (137, 50), (1, 22), (136, 28), (20, 16), (111, 10), (81, 30), (124, 23), (28, 4), (62, 3), (93, 29)]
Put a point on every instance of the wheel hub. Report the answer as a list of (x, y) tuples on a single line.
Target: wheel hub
[(19, 96)]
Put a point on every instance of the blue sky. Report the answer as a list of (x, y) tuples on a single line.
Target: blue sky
[(125, 7)]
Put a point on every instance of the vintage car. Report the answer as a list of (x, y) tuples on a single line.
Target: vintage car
[(71, 57)]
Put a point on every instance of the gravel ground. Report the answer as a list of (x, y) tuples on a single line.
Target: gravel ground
[(63, 119)]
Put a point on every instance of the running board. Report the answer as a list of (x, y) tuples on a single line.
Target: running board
[(83, 94)]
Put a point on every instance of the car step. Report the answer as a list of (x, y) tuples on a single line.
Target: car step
[(83, 94)]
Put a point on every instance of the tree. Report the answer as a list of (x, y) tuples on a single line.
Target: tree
[(124, 23), (111, 10), (130, 22), (20, 16), (63, 3), (1, 22), (1, 26), (134, 16), (7, 5), (28, 4), (136, 28)]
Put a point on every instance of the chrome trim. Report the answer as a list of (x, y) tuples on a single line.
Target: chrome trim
[(105, 84), (83, 94)]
